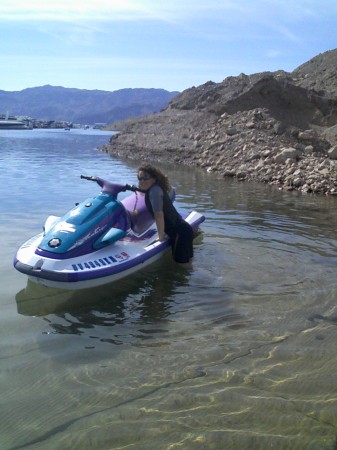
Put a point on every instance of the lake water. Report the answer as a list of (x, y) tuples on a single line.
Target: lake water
[(238, 352)]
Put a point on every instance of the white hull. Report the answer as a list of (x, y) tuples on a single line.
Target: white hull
[(103, 266)]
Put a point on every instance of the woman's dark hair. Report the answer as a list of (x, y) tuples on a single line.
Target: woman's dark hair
[(157, 174)]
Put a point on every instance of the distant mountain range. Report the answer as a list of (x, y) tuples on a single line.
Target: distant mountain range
[(83, 106)]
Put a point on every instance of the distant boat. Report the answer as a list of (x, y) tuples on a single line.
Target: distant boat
[(99, 126), (13, 124)]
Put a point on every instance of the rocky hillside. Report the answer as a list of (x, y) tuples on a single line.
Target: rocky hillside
[(83, 106), (274, 127)]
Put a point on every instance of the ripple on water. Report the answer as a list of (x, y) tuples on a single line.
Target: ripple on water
[(236, 352)]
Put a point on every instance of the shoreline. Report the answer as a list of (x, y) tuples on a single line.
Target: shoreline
[(248, 146)]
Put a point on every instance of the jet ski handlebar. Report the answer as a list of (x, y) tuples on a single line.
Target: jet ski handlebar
[(85, 177), (112, 188)]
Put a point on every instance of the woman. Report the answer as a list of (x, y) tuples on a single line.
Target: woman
[(169, 222)]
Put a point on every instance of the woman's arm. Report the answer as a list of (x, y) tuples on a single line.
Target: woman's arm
[(156, 199), (159, 218)]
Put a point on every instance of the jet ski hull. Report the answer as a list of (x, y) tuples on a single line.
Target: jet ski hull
[(106, 265)]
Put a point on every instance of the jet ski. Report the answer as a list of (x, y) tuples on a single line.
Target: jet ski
[(98, 241)]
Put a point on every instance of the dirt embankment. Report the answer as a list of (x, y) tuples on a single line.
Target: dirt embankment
[(278, 128)]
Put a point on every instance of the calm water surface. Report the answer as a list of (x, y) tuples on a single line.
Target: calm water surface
[(238, 352)]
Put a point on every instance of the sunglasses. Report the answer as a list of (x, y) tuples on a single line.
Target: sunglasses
[(143, 178)]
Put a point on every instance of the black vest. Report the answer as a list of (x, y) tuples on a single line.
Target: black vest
[(171, 215)]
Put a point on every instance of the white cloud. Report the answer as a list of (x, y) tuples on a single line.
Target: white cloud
[(195, 40), (173, 11), (65, 10), (170, 11)]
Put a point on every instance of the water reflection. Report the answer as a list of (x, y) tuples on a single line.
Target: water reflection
[(144, 298), (237, 353)]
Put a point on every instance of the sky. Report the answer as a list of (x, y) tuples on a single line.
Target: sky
[(167, 44)]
